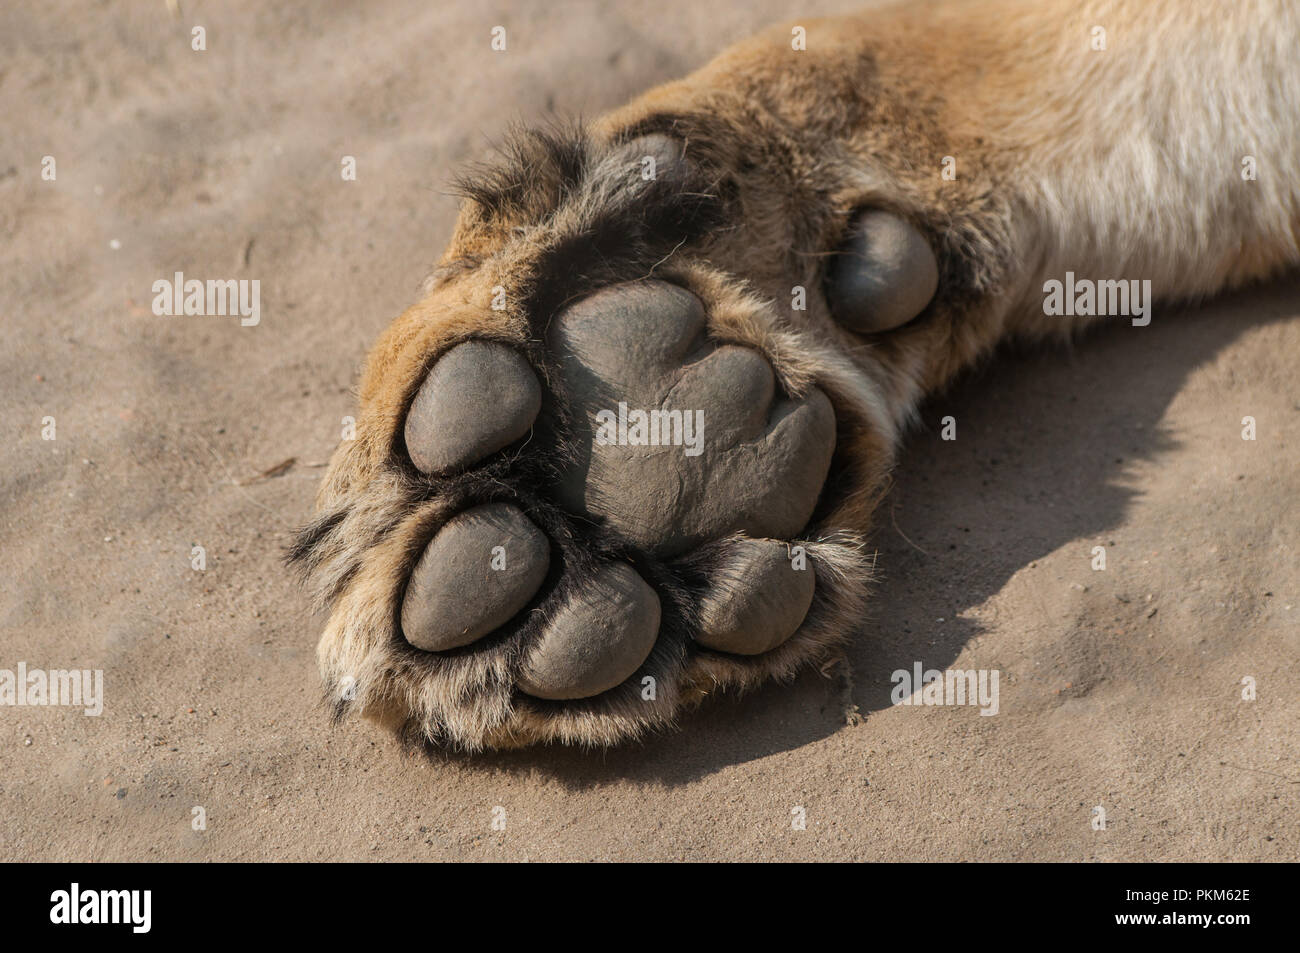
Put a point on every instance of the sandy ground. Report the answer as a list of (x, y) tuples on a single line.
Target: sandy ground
[(1119, 688)]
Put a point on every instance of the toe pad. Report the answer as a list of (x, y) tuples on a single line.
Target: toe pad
[(884, 275), (597, 639), (479, 397), (481, 568), (757, 600)]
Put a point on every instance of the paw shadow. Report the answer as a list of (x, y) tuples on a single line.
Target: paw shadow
[(1045, 436)]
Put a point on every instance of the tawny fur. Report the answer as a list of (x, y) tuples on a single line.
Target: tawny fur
[(1115, 163)]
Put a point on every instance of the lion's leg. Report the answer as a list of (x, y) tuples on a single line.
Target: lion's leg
[(624, 451), (1153, 140)]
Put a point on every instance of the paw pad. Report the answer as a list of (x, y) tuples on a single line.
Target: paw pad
[(689, 440), (477, 573), (884, 275), (756, 599), (597, 639), (479, 397)]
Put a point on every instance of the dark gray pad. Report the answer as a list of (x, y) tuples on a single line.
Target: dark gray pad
[(762, 458), (883, 275), (479, 397), (480, 569), (597, 639), (757, 600)]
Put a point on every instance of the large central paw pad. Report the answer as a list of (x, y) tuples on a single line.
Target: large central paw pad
[(682, 447), (688, 440)]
